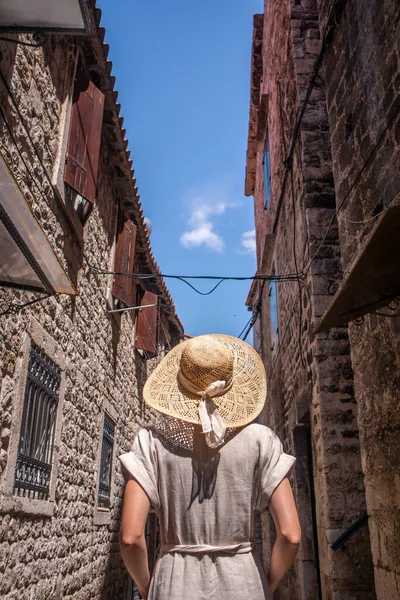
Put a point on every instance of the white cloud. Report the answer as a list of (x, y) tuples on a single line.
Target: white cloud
[(203, 235), (248, 241), (212, 202)]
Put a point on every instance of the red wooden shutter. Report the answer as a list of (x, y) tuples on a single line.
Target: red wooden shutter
[(124, 259), (82, 159), (146, 325)]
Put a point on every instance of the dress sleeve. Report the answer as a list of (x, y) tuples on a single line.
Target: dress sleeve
[(275, 465), (140, 464)]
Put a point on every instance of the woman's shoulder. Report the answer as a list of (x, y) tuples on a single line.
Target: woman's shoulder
[(143, 438), (258, 431)]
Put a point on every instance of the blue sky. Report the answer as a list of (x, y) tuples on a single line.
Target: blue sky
[(183, 77)]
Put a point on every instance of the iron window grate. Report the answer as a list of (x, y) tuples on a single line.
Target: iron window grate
[(107, 451), (35, 450)]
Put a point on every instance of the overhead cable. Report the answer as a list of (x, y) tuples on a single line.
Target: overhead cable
[(296, 130)]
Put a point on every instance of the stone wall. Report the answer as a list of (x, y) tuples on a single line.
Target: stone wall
[(69, 549), (311, 398), (361, 70)]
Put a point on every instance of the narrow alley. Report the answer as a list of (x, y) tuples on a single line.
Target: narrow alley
[(88, 311)]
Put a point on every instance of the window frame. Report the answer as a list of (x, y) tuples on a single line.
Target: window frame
[(123, 288), (102, 514), (20, 504), (38, 424), (273, 310), (267, 172), (144, 343), (87, 112), (67, 194)]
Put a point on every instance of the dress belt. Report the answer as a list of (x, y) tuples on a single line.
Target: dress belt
[(241, 548)]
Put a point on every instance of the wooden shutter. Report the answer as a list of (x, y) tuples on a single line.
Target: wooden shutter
[(82, 158), (146, 325), (124, 259)]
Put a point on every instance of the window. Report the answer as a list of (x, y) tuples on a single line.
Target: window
[(273, 309), (146, 325), (30, 477), (123, 288), (82, 158), (267, 172), (81, 206), (106, 462), (36, 442)]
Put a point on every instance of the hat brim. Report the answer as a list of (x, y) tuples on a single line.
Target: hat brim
[(240, 405)]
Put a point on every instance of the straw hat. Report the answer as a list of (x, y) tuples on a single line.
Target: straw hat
[(214, 380)]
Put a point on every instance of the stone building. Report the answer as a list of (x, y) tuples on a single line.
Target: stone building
[(323, 167), (72, 372)]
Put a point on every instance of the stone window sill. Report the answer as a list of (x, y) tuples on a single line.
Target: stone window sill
[(101, 516), (26, 506)]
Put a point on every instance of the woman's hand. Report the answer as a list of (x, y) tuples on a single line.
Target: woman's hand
[(144, 593)]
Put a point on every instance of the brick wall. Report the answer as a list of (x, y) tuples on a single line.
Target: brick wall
[(361, 70), (75, 552), (311, 395)]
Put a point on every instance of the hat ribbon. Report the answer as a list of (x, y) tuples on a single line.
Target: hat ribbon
[(212, 423)]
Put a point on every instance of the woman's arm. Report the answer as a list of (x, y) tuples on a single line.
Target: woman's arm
[(284, 514), (132, 541)]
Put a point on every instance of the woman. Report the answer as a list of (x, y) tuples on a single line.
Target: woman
[(205, 471)]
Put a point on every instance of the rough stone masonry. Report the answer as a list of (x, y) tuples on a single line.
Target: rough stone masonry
[(333, 396), (67, 546)]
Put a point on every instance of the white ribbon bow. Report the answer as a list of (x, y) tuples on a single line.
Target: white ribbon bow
[(212, 423)]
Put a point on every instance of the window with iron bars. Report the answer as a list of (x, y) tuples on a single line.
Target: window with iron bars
[(36, 442), (106, 460)]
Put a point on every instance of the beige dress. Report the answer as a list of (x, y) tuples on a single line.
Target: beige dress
[(205, 501)]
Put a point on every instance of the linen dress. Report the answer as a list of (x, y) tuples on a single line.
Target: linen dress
[(206, 502)]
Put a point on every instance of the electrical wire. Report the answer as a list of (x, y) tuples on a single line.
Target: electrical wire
[(359, 222), (91, 268), (184, 278), (336, 214), (371, 154), (33, 179), (288, 162), (144, 276), (96, 270), (352, 186), (296, 130), (282, 337), (287, 168), (253, 319), (198, 291), (297, 271), (245, 327)]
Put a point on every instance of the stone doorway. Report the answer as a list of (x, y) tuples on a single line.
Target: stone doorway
[(308, 562)]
